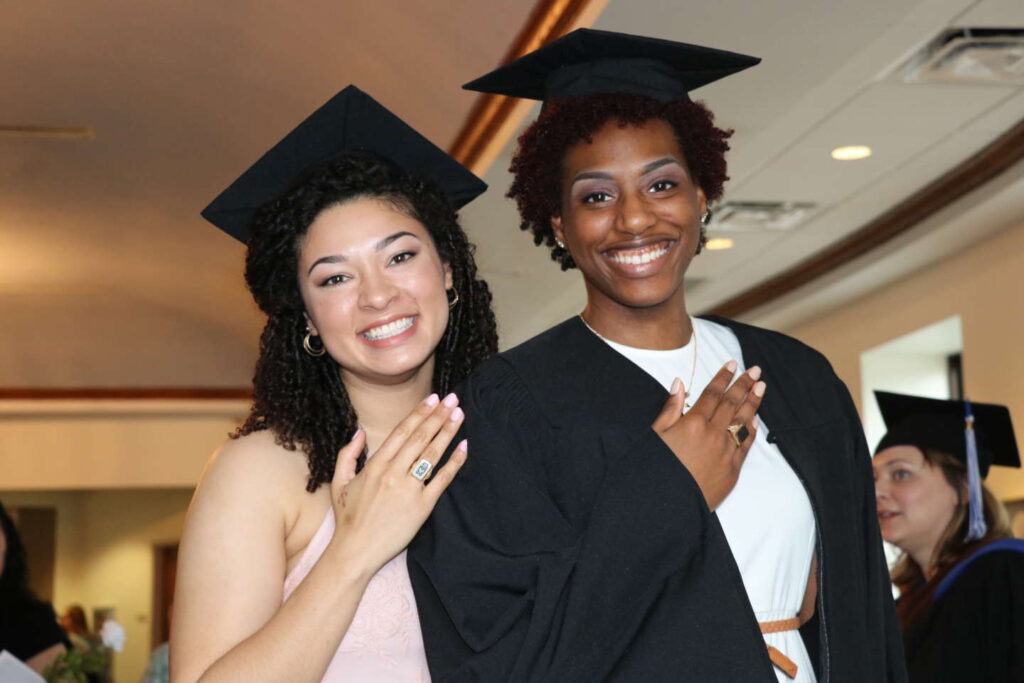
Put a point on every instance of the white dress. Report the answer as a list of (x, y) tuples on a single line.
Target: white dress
[(767, 517)]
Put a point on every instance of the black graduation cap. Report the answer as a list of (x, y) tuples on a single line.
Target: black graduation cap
[(350, 122), (939, 425), (591, 62)]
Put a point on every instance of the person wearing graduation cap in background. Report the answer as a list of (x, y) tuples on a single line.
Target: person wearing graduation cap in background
[(292, 563), (961, 577), (626, 515)]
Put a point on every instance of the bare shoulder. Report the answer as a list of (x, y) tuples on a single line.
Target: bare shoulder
[(255, 463), (234, 553)]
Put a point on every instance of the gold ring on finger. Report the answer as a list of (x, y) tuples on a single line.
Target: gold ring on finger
[(421, 469), (739, 434)]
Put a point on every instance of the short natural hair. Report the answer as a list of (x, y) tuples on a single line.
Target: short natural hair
[(538, 162)]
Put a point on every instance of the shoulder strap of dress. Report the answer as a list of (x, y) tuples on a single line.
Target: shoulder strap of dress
[(1004, 544)]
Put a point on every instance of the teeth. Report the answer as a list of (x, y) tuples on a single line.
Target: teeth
[(390, 330), (637, 257)]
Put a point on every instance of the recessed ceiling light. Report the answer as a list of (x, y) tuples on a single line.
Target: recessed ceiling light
[(716, 243), (48, 132), (851, 152)]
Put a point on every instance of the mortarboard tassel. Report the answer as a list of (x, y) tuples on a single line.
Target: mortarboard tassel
[(976, 527)]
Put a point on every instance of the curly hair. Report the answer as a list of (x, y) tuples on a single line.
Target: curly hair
[(301, 397), (537, 163)]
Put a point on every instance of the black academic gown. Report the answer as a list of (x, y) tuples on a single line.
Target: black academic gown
[(573, 545), (974, 630)]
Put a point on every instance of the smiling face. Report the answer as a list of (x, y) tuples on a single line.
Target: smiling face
[(630, 215), (374, 289), (915, 501)]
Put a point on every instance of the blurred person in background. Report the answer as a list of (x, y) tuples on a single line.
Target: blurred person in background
[(28, 627), (76, 625), (961, 576)]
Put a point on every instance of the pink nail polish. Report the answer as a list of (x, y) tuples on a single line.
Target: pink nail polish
[(432, 400), (457, 414), (451, 400), (463, 446)]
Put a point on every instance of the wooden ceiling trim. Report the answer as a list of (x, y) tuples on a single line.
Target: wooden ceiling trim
[(494, 118), (955, 184), (126, 393)]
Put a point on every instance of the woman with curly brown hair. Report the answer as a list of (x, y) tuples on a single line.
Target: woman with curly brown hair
[(643, 505), (292, 564)]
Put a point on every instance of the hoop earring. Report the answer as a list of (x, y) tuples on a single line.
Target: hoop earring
[(307, 344), (706, 218), (452, 302)]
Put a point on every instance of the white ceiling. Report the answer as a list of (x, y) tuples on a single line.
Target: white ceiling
[(109, 277), (823, 83)]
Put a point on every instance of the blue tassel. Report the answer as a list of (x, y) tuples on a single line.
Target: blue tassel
[(976, 527)]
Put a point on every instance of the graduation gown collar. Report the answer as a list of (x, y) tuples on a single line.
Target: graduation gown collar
[(569, 365), (580, 380)]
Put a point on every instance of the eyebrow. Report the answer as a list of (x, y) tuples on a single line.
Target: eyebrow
[(382, 244), (602, 175), (896, 461)]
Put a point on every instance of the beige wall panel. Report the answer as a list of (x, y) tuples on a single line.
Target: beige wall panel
[(95, 450), (982, 285)]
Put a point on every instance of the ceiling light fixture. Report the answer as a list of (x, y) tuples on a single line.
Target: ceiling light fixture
[(716, 243), (744, 216), (851, 152), (49, 132)]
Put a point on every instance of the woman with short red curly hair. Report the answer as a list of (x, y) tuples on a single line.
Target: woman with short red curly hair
[(635, 512)]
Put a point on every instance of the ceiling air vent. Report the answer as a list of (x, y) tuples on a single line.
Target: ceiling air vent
[(740, 216), (969, 55)]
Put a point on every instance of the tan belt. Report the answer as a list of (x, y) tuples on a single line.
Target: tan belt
[(778, 659)]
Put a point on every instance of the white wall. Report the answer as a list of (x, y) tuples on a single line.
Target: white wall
[(916, 363)]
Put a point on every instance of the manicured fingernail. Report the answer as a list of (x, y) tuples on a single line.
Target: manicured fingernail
[(431, 400), (731, 366), (756, 422), (759, 389), (457, 414), (356, 435), (451, 400), (463, 446), (755, 372), (677, 384)]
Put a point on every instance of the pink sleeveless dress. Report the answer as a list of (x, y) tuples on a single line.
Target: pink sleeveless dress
[(384, 642)]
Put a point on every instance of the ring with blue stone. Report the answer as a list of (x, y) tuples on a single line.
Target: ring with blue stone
[(421, 469)]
